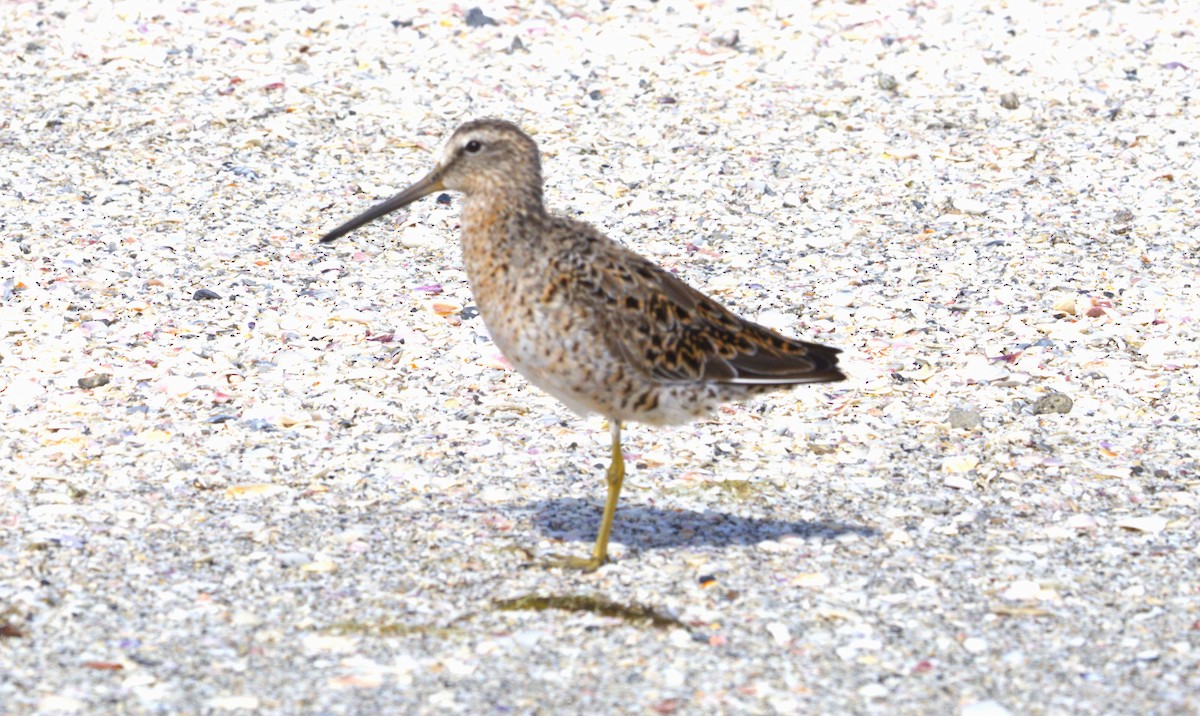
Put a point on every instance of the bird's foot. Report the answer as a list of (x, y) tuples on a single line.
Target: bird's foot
[(583, 564)]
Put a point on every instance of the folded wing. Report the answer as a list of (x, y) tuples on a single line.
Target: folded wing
[(676, 334)]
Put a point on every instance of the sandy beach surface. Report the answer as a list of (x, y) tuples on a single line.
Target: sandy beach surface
[(241, 472)]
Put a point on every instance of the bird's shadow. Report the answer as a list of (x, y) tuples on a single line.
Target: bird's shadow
[(641, 527)]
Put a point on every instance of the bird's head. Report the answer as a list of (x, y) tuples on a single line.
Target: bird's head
[(483, 157)]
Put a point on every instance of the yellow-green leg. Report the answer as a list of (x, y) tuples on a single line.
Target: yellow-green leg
[(616, 476)]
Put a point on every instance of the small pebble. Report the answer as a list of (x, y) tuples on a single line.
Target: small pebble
[(1082, 522), (1010, 100), (292, 559), (957, 482), (780, 633), (1022, 590), (94, 381), (886, 82), (1052, 403), (1120, 222), (935, 505), (476, 18), (967, 205), (1149, 525), (873, 691), (726, 39), (964, 419), (1122, 216), (205, 295), (957, 464)]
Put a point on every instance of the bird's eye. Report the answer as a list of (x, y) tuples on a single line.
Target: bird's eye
[(473, 146)]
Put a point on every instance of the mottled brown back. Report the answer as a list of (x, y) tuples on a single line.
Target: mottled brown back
[(673, 333)]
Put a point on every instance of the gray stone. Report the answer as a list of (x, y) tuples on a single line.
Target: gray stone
[(94, 381), (1052, 403), (964, 419)]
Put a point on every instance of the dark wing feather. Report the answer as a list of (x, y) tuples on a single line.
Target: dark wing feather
[(676, 334)]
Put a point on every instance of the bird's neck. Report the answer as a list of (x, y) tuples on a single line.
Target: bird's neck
[(502, 217), (500, 235)]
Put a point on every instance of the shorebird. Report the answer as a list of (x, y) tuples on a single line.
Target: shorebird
[(585, 319)]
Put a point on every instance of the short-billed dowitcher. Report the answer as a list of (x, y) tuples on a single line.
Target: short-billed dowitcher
[(585, 319)]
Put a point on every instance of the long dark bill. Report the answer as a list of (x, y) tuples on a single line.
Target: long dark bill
[(428, 184)]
